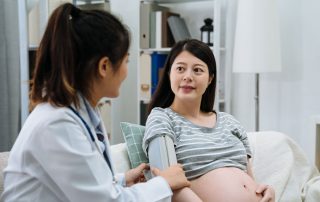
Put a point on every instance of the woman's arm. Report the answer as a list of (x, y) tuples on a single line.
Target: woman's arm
[(162, 155), (249, 168), (184, 195), (161, 152)]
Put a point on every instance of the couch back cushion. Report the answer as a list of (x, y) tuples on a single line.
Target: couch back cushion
[(120, 157)]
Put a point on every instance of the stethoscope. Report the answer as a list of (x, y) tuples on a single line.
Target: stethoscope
[(92, 137)]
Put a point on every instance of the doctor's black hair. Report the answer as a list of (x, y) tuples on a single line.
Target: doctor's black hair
[(164, 96), (67, 59)]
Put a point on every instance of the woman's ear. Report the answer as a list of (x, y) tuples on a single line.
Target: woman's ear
[(104, 66), (210, 79)]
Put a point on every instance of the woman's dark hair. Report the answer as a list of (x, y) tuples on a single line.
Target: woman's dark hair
[(163, 96), (67, 59)]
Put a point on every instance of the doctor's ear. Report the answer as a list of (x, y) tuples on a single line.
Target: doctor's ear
[(104, 66)]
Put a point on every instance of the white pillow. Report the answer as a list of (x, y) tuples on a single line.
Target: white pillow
[(120, 157)]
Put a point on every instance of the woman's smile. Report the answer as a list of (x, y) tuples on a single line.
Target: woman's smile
[(187, 89)]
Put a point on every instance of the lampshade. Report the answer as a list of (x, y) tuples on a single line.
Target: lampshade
[(257, 37)]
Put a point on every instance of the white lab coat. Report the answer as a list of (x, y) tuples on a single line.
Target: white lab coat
[(54, 159)]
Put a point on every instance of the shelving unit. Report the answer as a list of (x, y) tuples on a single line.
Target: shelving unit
[(125, 109), (92, 4), (32, 24), (205, 8), (127, 106)]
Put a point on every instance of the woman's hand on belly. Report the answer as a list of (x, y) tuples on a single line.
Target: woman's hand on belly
[(267, 192), (227, 185)]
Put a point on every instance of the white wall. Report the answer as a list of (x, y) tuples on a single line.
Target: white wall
[(311, 72), (288, 100)]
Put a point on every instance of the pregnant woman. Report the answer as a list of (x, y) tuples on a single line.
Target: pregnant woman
[(212, 146)]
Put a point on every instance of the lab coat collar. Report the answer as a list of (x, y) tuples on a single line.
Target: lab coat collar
[(82, 110)]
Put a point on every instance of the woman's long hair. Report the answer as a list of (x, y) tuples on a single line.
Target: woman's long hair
[(163, 96)]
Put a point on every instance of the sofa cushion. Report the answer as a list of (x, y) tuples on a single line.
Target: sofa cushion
[(280, 162), (120, 157), (133, 135)]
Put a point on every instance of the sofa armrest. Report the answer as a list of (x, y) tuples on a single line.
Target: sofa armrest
[(278, 161)]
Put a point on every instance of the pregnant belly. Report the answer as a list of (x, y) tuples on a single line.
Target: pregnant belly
[(226, 185)]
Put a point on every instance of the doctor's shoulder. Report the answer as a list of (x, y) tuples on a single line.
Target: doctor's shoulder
[(45, 115)]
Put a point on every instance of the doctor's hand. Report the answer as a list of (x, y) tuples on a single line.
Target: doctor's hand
[(268, 194), (174, 175), (135, 175)]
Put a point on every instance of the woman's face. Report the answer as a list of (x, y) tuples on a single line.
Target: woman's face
[(189, 77), (113, 80)]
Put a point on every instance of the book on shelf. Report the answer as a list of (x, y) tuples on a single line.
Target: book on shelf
[(178, 28), (157, 63), (143, 112), (145, 76), (146, 8), (160, 33)]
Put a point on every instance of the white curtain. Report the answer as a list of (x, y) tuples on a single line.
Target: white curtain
[(9, 74)]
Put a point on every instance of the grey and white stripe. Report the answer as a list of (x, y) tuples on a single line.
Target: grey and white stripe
[(200, 149)]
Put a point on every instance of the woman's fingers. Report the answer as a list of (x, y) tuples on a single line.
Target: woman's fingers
[(267, 192), (261, 188)]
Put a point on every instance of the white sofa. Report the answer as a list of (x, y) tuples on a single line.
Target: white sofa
[(277, 161)]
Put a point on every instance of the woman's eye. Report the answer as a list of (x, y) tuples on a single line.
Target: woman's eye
[(179, 69), (198, 70)]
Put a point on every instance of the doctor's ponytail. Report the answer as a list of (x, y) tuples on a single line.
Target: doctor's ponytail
[(72, 45)]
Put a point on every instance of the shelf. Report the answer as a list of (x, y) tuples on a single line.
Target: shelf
[(83, 2), (33, 47), (145, 50), (167, 50), (151, 50), (92, 5), (146, 101), (172, 1)]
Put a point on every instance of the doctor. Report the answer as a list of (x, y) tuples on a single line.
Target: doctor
[(60, 153)]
